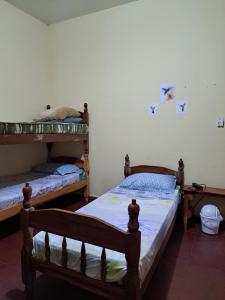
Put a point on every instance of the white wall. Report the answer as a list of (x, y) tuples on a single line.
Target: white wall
[(24, 81), (116, 60)]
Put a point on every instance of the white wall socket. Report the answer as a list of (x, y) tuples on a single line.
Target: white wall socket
[(220, 123)]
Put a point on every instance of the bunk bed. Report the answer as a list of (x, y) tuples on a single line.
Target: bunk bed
[(48, 133), (125, 250)]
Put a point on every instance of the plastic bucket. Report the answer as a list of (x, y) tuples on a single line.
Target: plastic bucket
[(210, 225)]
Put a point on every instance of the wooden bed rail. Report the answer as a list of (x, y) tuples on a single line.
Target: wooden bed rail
[(155, 169), (66, 223), (86, 229)]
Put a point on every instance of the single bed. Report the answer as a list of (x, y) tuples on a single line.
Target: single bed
[(118, 263), (45, 187)]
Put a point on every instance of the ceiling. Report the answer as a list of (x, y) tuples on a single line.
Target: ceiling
[(53, 11)]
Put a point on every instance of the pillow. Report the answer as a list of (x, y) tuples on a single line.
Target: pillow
[(58, 113), (67, 169), (149, 182), (56, 169), (71, 120)]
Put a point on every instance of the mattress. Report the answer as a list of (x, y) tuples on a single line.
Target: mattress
[(11, 186), (157, 212), (42, 128)]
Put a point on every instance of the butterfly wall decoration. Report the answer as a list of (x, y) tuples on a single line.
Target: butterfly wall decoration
[(153, 109), (181, 107), (167, 92)]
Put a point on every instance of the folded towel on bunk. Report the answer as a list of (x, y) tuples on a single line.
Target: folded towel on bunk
[(58, 113)]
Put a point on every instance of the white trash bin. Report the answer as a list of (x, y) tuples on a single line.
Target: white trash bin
[(210, 219)]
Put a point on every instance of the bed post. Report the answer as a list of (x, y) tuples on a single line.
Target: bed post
[(180, 173), (49, 148), (49, 145), (86, 153), (133, 253), (86, 169), (85, 115), (127, 169), (86, 121), (28, 273)]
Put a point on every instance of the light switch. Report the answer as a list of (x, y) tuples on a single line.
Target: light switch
[(220, 123)]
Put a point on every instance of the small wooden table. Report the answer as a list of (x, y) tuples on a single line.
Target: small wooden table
[(189, 193)]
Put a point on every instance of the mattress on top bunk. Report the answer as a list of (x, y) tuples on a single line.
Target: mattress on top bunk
[(157, 211), (42, 183), (42, 128)]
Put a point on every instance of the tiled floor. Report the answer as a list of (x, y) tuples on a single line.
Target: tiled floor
[(192, 267)]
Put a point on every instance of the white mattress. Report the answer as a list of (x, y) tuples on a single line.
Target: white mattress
[(156, 216)]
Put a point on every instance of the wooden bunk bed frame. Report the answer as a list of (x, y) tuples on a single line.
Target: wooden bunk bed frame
[(50, 139), (91, 230)]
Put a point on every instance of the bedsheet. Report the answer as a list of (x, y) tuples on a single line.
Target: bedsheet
[(11, 186), (156, 215)]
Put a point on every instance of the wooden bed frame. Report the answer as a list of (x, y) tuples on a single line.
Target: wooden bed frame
[(91, 230), (50, 139)]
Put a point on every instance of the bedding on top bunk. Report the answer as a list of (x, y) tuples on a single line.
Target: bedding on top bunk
[(53, 127), (157, 210), (42, 183)]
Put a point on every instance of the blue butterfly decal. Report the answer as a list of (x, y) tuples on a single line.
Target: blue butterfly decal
[(182, 106), (153, 109), (166, 90)]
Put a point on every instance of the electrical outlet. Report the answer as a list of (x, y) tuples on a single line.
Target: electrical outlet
[(220, 123)]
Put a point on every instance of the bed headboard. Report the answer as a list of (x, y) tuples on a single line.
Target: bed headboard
[(128, 170)]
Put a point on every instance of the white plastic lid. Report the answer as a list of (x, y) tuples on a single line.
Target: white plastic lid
[(210, 211)]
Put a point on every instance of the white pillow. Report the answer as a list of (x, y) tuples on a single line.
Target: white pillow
[(58, 113)]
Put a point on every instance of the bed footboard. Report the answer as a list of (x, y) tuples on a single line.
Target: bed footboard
[(86, 229)]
